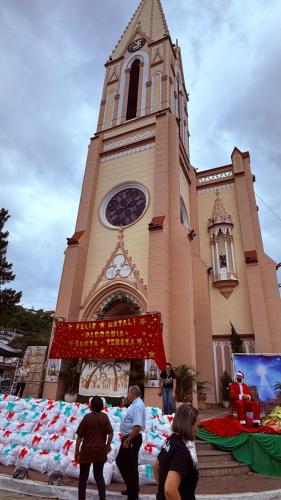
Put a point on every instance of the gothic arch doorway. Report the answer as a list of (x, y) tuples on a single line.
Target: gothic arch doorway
[(118, 304)]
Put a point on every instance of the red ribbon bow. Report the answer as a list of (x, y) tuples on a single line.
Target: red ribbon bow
[(38, 427), (23, 452), (67, 445), (149, 447), (54, 437), (36, 439), (43, 452), (54, 419)]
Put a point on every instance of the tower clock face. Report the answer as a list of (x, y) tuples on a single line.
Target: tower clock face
[(136, 45), (125, 207)]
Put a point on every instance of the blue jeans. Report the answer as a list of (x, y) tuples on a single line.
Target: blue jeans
[(168, 399)]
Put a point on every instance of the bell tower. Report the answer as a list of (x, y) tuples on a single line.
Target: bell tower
[(131, 245)]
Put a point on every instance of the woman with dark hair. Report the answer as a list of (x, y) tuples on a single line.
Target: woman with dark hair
[(174, 469), (95, 434)]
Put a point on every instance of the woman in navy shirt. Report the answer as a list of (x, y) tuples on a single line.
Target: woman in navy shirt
[(174, 470)]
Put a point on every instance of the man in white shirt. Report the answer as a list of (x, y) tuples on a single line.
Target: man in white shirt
[(131, 426)]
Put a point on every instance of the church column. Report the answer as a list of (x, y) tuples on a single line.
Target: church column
[(226, 255), (101, 115), (125, 95), (115, 110), (233, 256), (141, 89), (182, 332), (251, 243), (164, 91), (148, 97), (158, 261)]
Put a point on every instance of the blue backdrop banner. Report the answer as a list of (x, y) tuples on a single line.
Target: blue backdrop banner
[(262, 372)]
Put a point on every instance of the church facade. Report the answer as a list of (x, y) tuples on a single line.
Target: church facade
[(155, 234)]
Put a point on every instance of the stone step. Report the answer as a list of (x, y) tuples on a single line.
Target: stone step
[(213, 456), (204, 445), (222, 469)]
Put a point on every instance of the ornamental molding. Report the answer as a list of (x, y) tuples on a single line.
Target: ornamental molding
[(140, 136), (219, 215), (205, 179), (215, 188), (118, 260), (127, 152)]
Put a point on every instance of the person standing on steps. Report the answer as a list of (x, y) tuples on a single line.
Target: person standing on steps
[(167, 388), (131, 426)]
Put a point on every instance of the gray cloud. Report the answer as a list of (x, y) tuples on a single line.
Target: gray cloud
[(52, 56)]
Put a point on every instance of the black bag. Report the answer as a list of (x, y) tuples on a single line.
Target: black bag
[(56, 478), (20, 472)]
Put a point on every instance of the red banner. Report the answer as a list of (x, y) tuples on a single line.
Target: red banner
[(128, 338)]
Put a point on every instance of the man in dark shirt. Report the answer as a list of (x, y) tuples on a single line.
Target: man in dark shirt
[(167, 386)]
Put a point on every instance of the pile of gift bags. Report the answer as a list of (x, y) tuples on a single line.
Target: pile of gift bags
[(39, 434)]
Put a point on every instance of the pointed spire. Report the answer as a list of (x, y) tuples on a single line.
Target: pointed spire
[(148, 20), (219, 214)]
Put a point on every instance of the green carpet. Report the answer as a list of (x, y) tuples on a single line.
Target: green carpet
[(262, 452)]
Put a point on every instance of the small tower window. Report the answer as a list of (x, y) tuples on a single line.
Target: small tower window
[(133, 90)]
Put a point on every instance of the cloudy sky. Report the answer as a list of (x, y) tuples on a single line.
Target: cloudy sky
[(52, 54)]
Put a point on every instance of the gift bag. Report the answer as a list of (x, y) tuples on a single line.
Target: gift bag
[(53, 442), (57, 461), (67, 446), (9, 454), (155, 439), (111, 456), (116, 476), (24, 457), (148, 454), (146, 475), (40, 460), (72, 469), (21, 438)]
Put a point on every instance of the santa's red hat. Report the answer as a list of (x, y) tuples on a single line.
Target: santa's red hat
[(239, 374)]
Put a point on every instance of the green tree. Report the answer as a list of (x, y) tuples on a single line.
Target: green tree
[(236, 341), (8, 296), (33, 326)]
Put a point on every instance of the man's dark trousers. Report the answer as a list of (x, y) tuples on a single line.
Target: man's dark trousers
[(127, 463)]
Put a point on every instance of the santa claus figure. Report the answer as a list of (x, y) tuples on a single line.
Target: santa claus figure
[(242, 400)]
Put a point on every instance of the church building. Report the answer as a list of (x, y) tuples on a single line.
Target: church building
[(155, 234)]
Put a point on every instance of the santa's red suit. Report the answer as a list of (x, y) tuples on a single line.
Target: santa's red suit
[(241, 397)]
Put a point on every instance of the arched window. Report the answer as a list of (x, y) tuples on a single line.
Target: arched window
[(133, 90)]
